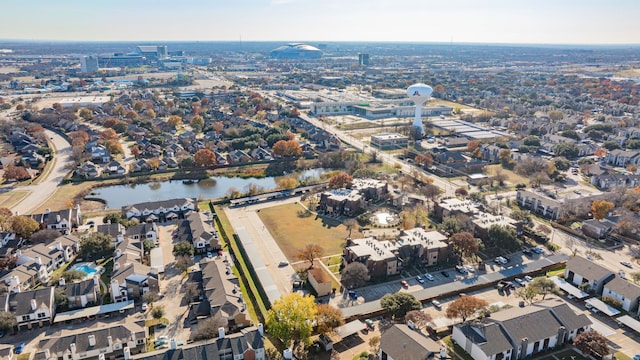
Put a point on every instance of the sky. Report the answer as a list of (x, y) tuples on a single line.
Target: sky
[(449, 21)]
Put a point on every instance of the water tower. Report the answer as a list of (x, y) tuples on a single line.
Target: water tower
[(419, 93)]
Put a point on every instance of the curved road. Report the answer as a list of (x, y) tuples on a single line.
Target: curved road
[(40, 193)]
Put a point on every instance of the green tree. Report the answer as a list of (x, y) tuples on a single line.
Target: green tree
[(288, 318), (95, 245), (157, 312), (7, 321), (544, 286), (464, 307), (183, 248), (24, 226), (528, 294), (504, 237), (561, 163), (71, 275), (60, 297), (86, 113), (568, 150), (197, 122), (399, 304)]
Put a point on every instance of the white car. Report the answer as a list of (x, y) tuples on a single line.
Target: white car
[(528, 278), (420, 279), (144, 306), (471, 269), (519, 281), (429, 277)]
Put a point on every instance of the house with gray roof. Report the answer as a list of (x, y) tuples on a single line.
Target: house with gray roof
[(520, 332), (196, 230), (160, 210), (7, 352), (582, 271), (81, 293), (246, 344), (113, 340), (220, 294), (625, 291), (399, 341), (33, 307)]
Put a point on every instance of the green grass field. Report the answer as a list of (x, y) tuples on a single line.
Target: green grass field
[(293, 233)]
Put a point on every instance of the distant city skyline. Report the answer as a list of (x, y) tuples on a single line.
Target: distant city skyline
[(457, 21)]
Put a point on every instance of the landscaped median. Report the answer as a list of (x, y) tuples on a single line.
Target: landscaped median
[(256, 306)]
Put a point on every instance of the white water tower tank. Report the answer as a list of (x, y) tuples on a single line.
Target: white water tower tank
[(419, 94)]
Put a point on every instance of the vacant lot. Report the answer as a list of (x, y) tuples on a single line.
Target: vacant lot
[(512, 177), (293, 232)]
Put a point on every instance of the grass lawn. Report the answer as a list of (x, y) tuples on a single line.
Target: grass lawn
[(293, 233), (11, 198), (569, 355), (556, 272), (60, 198), (620, 356), (512, 177)]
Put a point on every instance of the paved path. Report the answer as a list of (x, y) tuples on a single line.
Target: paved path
[(247, 217), (40, 193)]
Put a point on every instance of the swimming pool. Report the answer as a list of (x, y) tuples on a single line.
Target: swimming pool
[(88, 268)]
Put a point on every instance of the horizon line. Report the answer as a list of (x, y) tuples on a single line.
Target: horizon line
[(324, 41)]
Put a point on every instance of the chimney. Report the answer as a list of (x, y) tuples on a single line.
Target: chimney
[(118, 253), (38, 260), (92, 340), (47, 354), (524, 344), (562, 334), (73, 348), (127, 353), (260, 329), (59, 246), (47, 211), (18, 254), (61, 282), (110, 340), (172, 344), (58, 218), (221, 332), (116, 266), (34, 304)]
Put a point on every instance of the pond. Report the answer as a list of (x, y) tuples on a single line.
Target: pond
[(118, 196)]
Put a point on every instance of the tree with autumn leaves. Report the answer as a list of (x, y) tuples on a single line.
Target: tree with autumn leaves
[(204, 157), (465, 244), (287, 148), (600, 208), (465, 307), (340, 181)]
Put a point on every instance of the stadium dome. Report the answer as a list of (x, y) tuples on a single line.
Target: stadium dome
[(296, 51)]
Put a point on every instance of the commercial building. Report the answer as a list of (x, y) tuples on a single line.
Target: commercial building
[(386, 141), (120, 60), (363, 59), (88, 64), (296, 51)]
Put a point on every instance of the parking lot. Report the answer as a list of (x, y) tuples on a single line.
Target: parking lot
[(375, 292)]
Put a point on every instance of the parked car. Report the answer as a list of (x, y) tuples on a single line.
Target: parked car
[(420, 279), (20, 348), (519, 281), (461, 269), (144, 306), (370, 324), (283, 264), (627, 264), (470, 269), (429, 277), (445, 274), (528, 278), (404, 284), (353, 295), (436, 304), (209, 254)]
